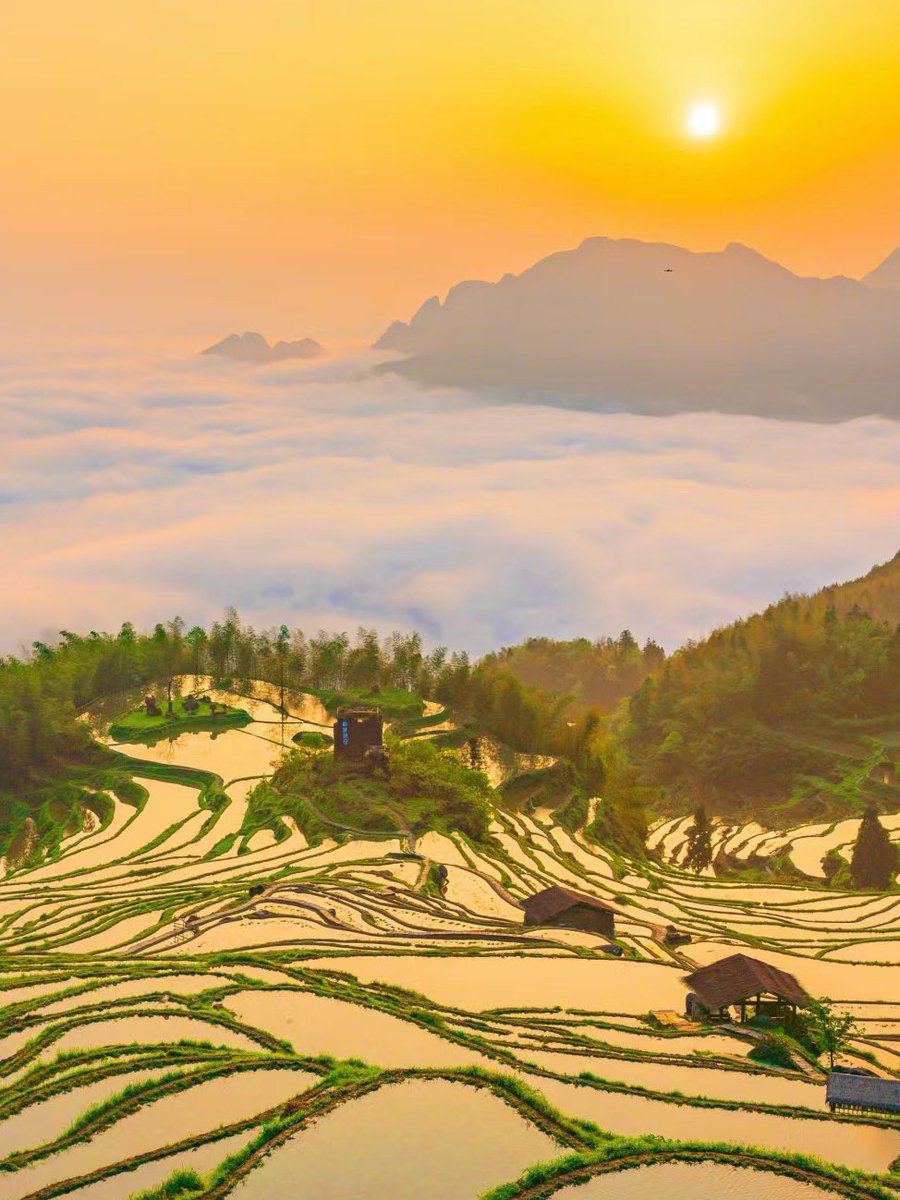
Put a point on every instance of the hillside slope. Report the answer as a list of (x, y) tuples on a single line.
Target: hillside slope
[(886, 274), (594, 674), (796, 709)]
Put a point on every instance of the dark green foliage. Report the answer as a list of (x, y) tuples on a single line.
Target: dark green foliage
[(776, 1049), (129, 791), (527, 719), (265, 808), (829, 1030), (699, 842), (395, 702), (182, 1180), (556, 786), (573, 814), (621, 824), (874, 860), (311, 739), (435, 881), (833, 865), (779, 708), (595, 674), (427, 789), (620, 819)]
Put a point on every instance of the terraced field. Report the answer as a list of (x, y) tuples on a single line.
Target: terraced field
[(351, 1029)]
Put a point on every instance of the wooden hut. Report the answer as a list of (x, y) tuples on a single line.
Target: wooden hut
[(357, 729), (571, 910), (862, 1093), (741, 980)]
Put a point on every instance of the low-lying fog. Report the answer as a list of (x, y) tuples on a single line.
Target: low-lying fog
[(320, 495)]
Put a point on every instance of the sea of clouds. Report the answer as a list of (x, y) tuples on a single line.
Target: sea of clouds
[(138, 486)]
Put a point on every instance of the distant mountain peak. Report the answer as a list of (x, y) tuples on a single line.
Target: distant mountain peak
[(253, 347)]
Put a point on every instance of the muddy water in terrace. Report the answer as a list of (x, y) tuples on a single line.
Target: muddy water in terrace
[(318, 1025), (435, 1139), (692, 1181), (183, 985), (692, 1081), (150, 1030), (200, 1109), (202, 1159), (233, 754), (479, 983), (42, 1122), (865, 1147)]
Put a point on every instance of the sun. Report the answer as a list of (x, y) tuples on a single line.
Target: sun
[(703, 119)]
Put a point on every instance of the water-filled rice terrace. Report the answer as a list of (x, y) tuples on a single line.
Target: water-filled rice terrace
[(351, 1029)]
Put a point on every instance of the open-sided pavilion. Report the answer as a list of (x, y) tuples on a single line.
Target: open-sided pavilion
[(756, 987)]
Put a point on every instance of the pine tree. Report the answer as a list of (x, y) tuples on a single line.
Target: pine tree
[(874, 860), (699, 842)]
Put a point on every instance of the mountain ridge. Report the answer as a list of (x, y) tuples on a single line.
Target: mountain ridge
[(656, 328)]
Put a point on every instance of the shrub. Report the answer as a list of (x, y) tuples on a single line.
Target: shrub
[(775, 1048)]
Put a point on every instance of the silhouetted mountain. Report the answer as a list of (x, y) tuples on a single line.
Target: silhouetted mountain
[(653, 328), (253, 347), (887, 274)]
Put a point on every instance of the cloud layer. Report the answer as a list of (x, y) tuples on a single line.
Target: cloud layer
[(324, 497)]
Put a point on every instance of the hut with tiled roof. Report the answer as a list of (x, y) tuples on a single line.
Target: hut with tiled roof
[(570, 909), (746, 982)]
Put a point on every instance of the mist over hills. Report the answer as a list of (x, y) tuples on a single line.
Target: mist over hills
[(656, 329)]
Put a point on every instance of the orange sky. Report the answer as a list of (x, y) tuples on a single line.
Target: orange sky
[(321, 166)]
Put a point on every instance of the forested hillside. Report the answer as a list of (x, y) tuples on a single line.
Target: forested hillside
[(594, 674), (795, 708)]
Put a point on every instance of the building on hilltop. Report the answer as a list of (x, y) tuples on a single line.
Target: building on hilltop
[(358, 728), (571, 910), (741, 980)]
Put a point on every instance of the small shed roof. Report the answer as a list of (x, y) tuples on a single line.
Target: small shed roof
[(545, 905), (738, 977), (863, 1091)]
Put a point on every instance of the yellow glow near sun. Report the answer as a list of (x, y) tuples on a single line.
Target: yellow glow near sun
[(703, 119)]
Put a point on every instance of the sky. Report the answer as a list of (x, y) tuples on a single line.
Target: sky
[(319, 167), (326, 497)]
